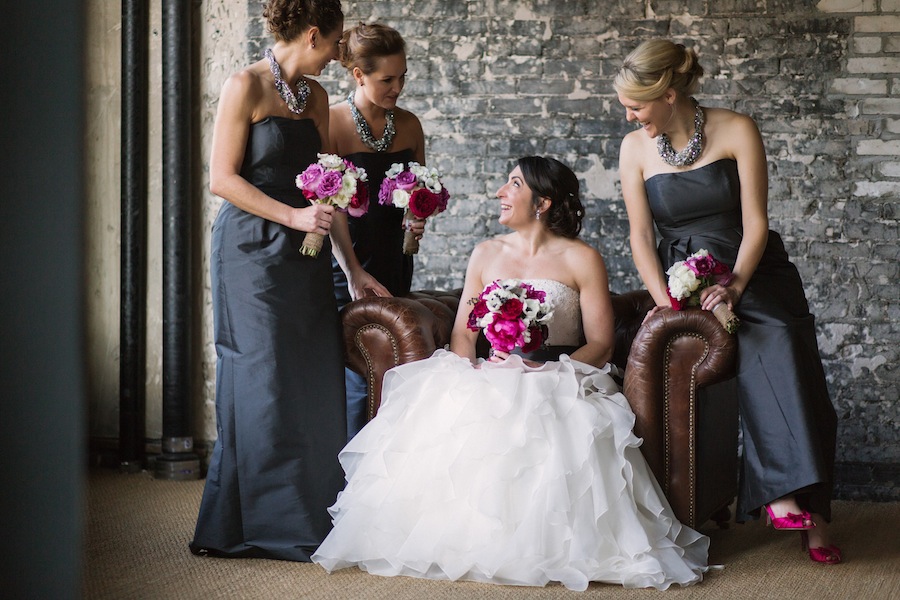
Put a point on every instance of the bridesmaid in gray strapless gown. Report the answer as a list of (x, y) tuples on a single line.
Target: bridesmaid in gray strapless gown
[(279, 377), (788, 420)]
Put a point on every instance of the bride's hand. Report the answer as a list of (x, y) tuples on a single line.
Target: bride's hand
[(497, 356)]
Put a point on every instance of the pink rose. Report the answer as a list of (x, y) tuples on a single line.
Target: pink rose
[(537, 338), (359, 204), (330, 184), (511, 309), (309, 179), (406, 180), (422, 203), (386, 193)]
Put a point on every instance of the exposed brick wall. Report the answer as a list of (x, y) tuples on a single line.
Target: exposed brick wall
[(496, 79)]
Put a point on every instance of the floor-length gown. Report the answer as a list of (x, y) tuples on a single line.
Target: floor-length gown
[(280, 410), (508, 474), (377, 240), (787, 419)]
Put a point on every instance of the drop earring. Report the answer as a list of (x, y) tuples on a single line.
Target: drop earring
[(537, 214)]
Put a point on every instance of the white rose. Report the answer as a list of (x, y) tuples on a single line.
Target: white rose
[(400, 198), (348, 185), (331, 161)]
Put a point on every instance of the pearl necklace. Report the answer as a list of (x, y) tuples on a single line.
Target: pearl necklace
[(284, 90), (365, 134), (691, 152)]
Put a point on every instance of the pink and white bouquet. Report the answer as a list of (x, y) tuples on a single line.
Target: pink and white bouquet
[(337, 181), (511, 313), (689, 277), (416, 189)]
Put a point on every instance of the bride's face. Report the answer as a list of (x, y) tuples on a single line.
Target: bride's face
[(515, 199)]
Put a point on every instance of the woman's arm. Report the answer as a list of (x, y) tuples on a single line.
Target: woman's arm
[(640, 221), (238, 102), (462, 339), (750, 154), (596, 307), (359, 281)]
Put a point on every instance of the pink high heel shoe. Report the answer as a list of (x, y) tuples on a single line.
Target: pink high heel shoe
[(827, 555), (791, 522)]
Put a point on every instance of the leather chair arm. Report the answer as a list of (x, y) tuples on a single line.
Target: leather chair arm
[(673, 355)]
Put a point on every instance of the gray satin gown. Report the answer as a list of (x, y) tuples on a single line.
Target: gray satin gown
[(787, 419), (280, 372)]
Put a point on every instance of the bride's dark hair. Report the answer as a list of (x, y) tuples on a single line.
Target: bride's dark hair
[(549, 178)]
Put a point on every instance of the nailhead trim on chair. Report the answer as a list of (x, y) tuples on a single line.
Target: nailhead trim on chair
[(370, 408), (693, 421)]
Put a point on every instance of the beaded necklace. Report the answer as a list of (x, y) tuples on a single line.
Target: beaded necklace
[(691, 152), (284, 90), (365, 134)]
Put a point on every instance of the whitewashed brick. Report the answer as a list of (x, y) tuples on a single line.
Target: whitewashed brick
[(874, 64), (881, 106), (880, 24), (878, 148), (892, 125), (890, 169), (892, 44), (890, 5), (867, 45), (846, 6), (856, 85), (876, 189)]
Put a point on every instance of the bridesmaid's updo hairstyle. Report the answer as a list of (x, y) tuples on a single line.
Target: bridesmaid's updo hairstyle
[(287, 19), (363, 45), (549, 178), (655, 66)]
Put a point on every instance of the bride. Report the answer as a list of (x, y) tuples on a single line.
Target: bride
[(510, 470)]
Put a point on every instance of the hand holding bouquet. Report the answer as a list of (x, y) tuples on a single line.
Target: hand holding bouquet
[(336, 181), (511, 313), (689, 277), (418, 190)]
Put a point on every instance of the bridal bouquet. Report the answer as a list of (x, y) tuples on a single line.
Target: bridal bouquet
[(332, 180), (511, 313), (416, 189), (689, 277)]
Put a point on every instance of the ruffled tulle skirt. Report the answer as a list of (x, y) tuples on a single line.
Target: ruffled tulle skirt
[(506, 474)]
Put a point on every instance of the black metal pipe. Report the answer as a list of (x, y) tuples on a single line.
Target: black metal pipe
[(178, 459), (133, 277)]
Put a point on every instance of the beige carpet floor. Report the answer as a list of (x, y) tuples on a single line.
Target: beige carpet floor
[(138, 528)]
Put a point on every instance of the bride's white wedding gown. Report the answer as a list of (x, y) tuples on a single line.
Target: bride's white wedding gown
[(508, 474)]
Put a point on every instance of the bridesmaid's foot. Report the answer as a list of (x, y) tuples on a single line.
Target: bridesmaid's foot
[(786, 514), (818, 544)]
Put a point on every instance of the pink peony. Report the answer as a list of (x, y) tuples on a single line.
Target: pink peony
[(503, 334), (386, 193)]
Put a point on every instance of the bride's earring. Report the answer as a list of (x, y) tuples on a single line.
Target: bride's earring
[(537, 214)]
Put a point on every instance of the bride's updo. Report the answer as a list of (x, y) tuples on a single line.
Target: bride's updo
[(287, 19), (363, 45), (655, 66), (549, 178)]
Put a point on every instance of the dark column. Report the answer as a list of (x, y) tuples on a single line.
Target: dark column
[(178, 460), (133, 296)]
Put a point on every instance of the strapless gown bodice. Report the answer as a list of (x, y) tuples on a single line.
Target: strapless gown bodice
[(279, 149)]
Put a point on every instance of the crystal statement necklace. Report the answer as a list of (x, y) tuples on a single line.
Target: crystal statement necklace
[(365, 134), (691, 152), (294, 104)]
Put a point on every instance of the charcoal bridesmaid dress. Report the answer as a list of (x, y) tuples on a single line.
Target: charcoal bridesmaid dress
[(377, 240), (787, 419), (280, 412)]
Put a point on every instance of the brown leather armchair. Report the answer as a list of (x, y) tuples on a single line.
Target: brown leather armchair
[(679, 369)]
